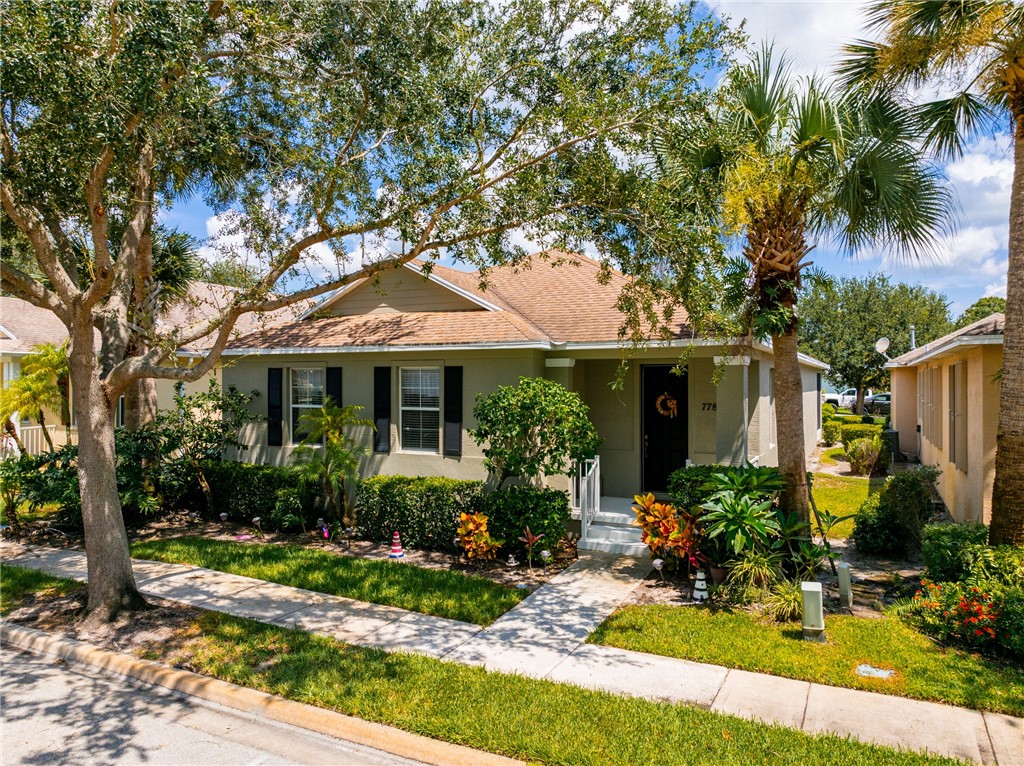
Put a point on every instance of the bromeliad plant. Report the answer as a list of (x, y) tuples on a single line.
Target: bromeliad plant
[(744, 522), (671, 534)]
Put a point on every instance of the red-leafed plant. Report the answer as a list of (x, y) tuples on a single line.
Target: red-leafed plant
[(671, 534)]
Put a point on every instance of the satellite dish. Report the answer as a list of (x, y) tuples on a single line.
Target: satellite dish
[(882, 345)]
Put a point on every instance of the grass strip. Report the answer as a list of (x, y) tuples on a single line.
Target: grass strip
[(438, 592), (538, 721), (843, 495), (924, 670)]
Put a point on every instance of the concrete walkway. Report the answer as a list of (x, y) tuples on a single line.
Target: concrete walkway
[(544, 636)]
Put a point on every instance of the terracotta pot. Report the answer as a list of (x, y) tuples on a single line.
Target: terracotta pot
[(718, 574)]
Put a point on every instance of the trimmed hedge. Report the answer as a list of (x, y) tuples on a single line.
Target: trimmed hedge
[(851, 432), (684, 484), (510, 510), (424, 510), (246, 490), (831, 432), (828, 412), (890, 522)]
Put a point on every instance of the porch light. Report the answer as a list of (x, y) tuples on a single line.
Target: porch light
[(845, 586), (814, 614)]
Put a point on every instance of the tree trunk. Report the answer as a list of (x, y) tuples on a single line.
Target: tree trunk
[(1007, 526), (111, 588), (11, 432), (858, 406), (140, 404), (46, 433), (789, 417)]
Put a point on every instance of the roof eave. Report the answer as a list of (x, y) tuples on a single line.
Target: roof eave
[(972, 340)]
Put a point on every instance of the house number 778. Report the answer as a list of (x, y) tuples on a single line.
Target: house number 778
[(709, 406)]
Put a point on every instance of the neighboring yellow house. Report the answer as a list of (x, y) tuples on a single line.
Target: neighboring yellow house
[(945, 406), (23, 326)]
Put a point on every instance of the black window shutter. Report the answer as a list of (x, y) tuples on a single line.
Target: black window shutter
[(275, 406), (382, 408), (453, 411), (333, 389)]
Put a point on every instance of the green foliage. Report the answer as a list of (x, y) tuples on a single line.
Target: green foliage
[(511, 510), (841, 319), (828, 412), (288, 514), (245, 490), (864, 455), (969, 615), (532, 429), (980, 309), (853, 431), (784, 602), (951, 551), (891, 521), (671, 534), (756, 569), (42, 385), (686, 485), (831, 431), (740, 519), (329, 456), (755, 481), (425, 511)]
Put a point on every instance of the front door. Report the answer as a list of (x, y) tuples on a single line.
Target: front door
[(663, 408)]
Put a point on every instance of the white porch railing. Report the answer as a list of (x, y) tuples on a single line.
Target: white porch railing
[(35, 443), (586, 492)]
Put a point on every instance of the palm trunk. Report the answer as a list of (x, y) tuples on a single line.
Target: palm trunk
[(11, 430), (111, 588), (46, 433), (1007, 526), (140, 404), (789, 418)]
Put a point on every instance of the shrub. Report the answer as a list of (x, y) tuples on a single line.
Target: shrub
[(245, 490), (851, 432), (1010, 623), (828, 412), (950, 551), (867, 419), (958, 612), (756, 569), (671, 534), (288, 514), (475, 538), (513, 509), (863, 455), (686, 485), (831, 432), (534, 428), (890, 523), (425, 510)]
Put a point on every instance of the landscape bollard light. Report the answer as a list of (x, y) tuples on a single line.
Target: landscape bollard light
[(814, 615), (845, 586)]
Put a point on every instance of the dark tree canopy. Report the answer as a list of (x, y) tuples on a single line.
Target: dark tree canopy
[(980, 309)]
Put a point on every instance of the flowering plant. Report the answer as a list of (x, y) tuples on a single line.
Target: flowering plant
[(959, 612)]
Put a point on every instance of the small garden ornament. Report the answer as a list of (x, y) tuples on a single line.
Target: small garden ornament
[(659, 564), (545, 556), (700, 588), (396, 548), (223, 518), (512, 562), (257, 522)]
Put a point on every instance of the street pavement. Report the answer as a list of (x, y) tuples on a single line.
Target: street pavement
[(51, 712)]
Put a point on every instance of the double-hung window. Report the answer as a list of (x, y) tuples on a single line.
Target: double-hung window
[(307, 393), (420, 408)]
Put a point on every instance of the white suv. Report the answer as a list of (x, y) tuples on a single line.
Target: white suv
[(847, 398)]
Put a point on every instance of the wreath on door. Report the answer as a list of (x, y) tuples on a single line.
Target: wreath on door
[(666, 405)]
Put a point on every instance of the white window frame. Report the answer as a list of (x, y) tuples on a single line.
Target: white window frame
[(292, 406), (402, 409)]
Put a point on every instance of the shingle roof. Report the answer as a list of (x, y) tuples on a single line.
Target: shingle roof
[(555, 297), (991, 326), (31, 325)]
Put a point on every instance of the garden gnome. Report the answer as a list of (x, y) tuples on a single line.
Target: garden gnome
[(700, 588), (396, 548)]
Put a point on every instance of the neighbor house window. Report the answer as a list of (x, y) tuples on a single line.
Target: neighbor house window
[(420, 408), (307, 393)]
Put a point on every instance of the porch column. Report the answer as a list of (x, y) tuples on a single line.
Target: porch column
[(560, 371), (732, 411)]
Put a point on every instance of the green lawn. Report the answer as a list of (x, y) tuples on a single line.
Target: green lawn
[(538, 721), (740, 640), (843, 495), (26, 514), (431, 591)]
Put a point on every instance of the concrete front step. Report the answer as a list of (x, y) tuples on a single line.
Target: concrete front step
[(614, 532), (615, 518), (612, 546)]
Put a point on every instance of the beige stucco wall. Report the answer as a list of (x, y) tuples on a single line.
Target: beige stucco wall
[(397, 291), (904, 408), (967, 494)]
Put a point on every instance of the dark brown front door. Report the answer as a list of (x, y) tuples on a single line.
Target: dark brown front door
[(663, 408)]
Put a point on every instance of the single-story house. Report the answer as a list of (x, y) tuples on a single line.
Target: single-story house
[(945, 407), (415, 349), (23, 326)]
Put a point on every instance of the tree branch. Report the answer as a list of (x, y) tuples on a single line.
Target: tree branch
[(27, 288)]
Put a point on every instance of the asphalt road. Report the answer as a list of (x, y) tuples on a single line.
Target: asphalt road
[(52, 712)]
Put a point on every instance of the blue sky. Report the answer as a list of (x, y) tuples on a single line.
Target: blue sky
[(966, 266)]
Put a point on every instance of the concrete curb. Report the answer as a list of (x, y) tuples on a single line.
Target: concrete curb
[(256, 703)]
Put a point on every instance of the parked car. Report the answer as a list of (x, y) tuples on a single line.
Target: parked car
[(847, 398), (879, 404)]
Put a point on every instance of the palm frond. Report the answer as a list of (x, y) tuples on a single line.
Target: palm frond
[(949, 124), (861, 65), (763, 92)]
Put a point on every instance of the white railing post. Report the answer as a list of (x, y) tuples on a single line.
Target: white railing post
[(587, 491)]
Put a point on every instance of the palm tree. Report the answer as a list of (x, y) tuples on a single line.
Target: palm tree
[(976, 49), (794, 162), (42, 386)]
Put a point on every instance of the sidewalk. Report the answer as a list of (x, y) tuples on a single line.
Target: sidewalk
[(544, 636)]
